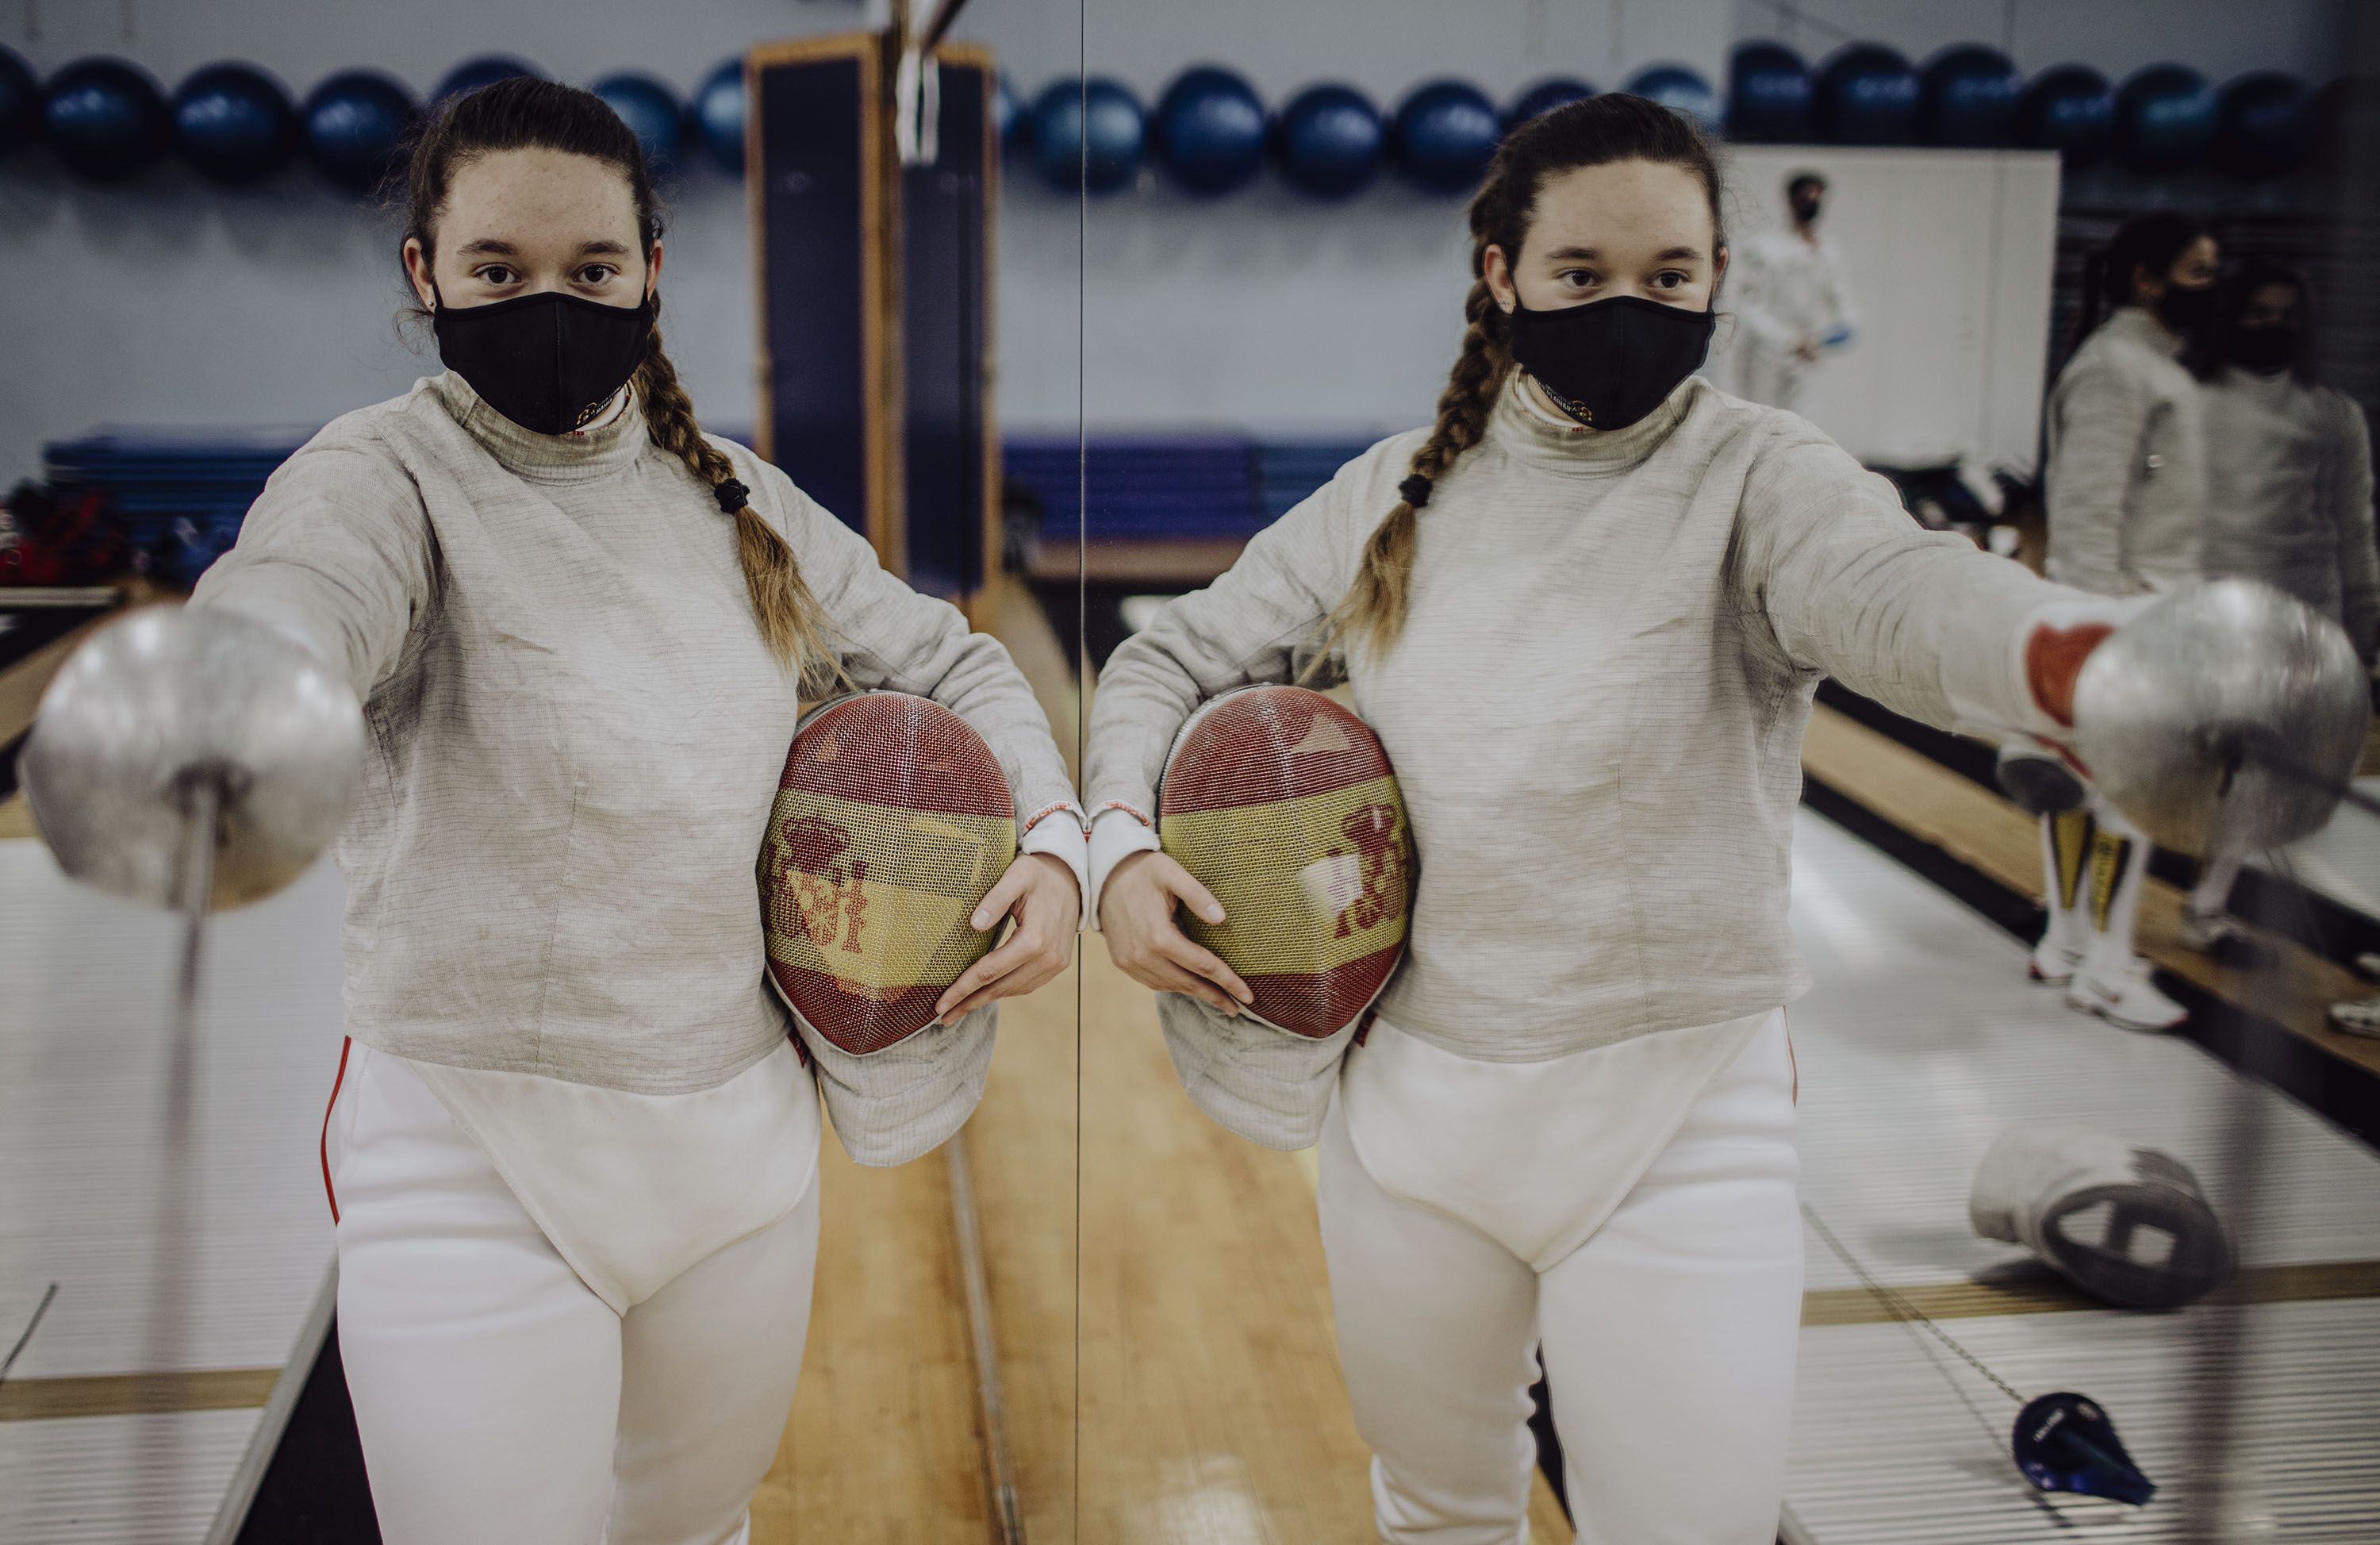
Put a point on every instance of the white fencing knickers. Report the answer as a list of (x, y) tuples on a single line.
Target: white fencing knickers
[(1669, 1335), (498, 1397)]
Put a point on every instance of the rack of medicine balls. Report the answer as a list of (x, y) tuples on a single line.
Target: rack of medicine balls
[(1209, 133)]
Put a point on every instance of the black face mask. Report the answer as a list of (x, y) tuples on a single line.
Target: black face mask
[(2186, 311), (1806, 209), (548, 362), (2265, 351), (1610, 363)]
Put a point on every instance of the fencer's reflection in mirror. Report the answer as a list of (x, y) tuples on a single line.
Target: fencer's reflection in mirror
[(1584, 610)]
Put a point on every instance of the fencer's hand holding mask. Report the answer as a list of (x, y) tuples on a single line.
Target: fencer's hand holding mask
[(1610, 363), (547, 362)]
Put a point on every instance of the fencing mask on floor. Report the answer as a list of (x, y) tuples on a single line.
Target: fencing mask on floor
[(2126, 1223)]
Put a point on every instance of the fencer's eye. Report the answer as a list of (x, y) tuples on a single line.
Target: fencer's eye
[(597, 273), (494, 274), (1578, 278), (1671, 278)]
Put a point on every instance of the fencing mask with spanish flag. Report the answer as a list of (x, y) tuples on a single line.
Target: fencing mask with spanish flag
[(1282, 804), (892, 822)]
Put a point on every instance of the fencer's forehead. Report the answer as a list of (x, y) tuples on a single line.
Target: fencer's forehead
[(538, 203), (1625, 211)]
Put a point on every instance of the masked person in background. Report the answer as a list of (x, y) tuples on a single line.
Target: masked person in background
[(1791, 301), (572, 1153), (2288, 483), (2125, 481), (1585, 612)]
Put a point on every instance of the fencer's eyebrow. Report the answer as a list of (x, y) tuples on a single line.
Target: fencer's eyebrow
[(606, 248), (1680, 254), (489, 246), (1575, 254)]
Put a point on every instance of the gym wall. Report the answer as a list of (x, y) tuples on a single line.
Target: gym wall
[(168, 302)]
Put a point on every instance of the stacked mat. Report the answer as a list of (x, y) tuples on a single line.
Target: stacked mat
[(1173, 488), (180, 494)]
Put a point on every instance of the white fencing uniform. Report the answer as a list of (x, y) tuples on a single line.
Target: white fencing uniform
[(559, 1361), (1636, 1208), (1787, 290)]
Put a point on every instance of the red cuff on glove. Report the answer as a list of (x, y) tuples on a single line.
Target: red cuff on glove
[(2053, 658)]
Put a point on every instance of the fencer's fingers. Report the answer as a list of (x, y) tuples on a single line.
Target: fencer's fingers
[(1177, 947), (991, 967), (1181, 883), (1166, 976), (1009, 985), (1002, 898), (1033, 955)]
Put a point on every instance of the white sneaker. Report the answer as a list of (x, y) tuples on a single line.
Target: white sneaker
[(2221, 936), (2357, 1016), (2055, 959), (2130, 999)]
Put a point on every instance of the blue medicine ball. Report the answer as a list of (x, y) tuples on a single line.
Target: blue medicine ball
[(1543, 98), (20, 103), (1866, 95), (2069, 109), (1680, 90), (355, 124), (1968, 95), (1087, 135), (2164, 119), (651, 112), (1444, 134), (1209, 130), (2264, 125), (715, 116), (485, 70), (1328, 140), (106, 119), (235, 124), (1768, 92)]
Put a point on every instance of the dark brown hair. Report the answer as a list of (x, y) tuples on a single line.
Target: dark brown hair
[(2207, 355), (2154, 242), (1594, 131), (524, 112)]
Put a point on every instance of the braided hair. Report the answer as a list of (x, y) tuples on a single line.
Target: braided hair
[(524, 112), (1594, 131)]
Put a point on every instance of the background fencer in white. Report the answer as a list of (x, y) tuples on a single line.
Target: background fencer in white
[(581, 1211), (1791, 301), (1589, 653)]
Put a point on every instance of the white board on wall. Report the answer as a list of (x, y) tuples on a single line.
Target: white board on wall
[(1948, 256)]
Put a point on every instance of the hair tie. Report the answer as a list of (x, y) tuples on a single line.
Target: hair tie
[(732, 496), (1415, 489)]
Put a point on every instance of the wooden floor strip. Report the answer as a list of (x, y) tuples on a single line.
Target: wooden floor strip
[(2313, 1281), (134, 1395)]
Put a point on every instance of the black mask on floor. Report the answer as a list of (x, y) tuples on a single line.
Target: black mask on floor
[(2186, 311), (548, 362), (1610, 363), (2265, 351)]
